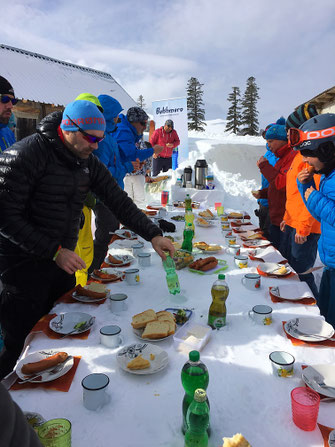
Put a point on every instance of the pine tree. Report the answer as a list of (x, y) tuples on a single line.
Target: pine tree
[(195, 111), (249, 111), (140, 102), (234, 111)]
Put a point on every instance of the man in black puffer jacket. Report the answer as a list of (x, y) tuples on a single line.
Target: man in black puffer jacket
[(44, 180)]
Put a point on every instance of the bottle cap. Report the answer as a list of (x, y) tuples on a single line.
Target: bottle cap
[(194, 356), (221, 276), (200, 395)]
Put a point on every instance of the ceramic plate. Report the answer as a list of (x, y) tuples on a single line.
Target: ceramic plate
[(65, 323), (110, 271), (270, 268), (138, 333), (87, 299), (208, 252), (126, 259), (125, 234), (44, 376), (312, 375), (209, 223), (285, 292), (128, 353), (309, 329), (257, 243), (331, 439)]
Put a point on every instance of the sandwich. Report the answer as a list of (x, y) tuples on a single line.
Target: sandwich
[(236, 441)]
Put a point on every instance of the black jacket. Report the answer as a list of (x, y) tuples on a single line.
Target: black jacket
[(43, 186)]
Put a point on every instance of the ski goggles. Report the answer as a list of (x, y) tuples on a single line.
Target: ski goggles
[(5, 99), (297, 136), (88, 137)]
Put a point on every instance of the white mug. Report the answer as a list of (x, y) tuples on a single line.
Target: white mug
[(241, 261), (251, 281), (94, 391), (132, 277), (117, 302), (110, 336), (261, 314), (137, 248), (225, 225), (234, 249), (144, 259), (230, 239)]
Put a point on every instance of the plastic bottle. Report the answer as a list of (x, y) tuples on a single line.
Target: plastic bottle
[(189, 219), (171, 275), (197, 421), (188, 203), (217, 310), (193, 375), (188, 237)]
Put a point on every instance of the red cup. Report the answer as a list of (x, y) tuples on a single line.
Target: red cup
[(217, 204), (164, 198), (305, 407)]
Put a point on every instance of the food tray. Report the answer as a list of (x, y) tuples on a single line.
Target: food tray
[(184, 343)]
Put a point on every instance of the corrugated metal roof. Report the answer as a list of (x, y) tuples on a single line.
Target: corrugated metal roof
[(43, 79)]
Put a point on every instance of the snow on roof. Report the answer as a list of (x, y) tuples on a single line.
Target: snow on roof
[(39, 78)]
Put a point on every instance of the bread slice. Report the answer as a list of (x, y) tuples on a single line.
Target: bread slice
[(172, 328), (96, 287), (166, 315), (142, 319), (156, 329), (236, 441), (138, 363)]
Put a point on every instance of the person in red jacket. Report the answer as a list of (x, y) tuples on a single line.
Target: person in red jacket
[(167, 137), (276, 175)]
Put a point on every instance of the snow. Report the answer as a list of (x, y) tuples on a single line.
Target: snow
[(244, 394)]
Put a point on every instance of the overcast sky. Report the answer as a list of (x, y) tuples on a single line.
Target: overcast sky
[(152, 47)]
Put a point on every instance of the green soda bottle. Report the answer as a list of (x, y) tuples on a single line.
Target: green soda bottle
[(189, 219), (188, 237), (197, 421), (171, 275), (188, 203), (217, 310), (193, 375)]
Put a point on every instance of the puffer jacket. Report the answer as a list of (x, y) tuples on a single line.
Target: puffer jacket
[(43, 186), (276, 176), (296, 214), (6, 137), (163, 138), (321, 204), (108, 150), (127, 137)]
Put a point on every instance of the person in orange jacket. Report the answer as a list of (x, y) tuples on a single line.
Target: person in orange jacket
[(301, 231)]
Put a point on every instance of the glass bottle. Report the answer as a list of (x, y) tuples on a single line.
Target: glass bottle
[(217, 310), (188, 237), (171, 275), (197, 421), (193, 375)]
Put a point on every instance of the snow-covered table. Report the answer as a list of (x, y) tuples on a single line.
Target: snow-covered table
[(145, 410)]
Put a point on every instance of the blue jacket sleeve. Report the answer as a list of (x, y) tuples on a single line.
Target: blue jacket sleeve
[(321, 207), (128, 149)]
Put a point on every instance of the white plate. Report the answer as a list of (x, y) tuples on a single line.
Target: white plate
[(44, 376), (124, 234), (110, 271), (128, 353), (126, 259), (257, 243), (325, 373), (154, 206), (331, 439), (68, 321), (210, 251), (138, 333), (285, 292), (269, 267), (309, 326), (209, 224), (87, 299)]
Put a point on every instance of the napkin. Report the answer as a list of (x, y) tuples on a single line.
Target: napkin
[(268, 254), (325, 433), (63, 383), (318, 344), (67, 298), (296, 290), (43, 326)]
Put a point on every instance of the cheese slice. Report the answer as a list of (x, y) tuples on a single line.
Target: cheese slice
[(138, 363)]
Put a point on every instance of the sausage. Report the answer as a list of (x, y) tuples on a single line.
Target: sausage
[(114, 260), (49, 362), (204, 264), (90, 293), (209, 266)]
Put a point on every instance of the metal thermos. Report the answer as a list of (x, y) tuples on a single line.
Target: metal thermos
[(200, 171), (187, 176)]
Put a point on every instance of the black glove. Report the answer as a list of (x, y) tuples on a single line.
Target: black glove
[(167, 227)]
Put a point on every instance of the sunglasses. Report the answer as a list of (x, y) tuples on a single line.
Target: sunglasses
[(297, 136), (88, 137), (5, 99), (143, 123)]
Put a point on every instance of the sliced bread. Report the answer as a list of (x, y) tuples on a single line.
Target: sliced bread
[(165, 315), (156, 329), (140, 320)]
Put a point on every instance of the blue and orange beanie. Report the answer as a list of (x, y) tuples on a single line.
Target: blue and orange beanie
[(85, 114)]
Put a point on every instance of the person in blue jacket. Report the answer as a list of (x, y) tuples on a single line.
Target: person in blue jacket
[(315, 139), (7, 101), (128, 134)]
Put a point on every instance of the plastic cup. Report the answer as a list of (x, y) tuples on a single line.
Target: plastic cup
[(217, 204), (305, 407), (164, 198), (55, 433)]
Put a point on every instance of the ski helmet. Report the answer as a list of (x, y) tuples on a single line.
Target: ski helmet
[(319, 137)]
